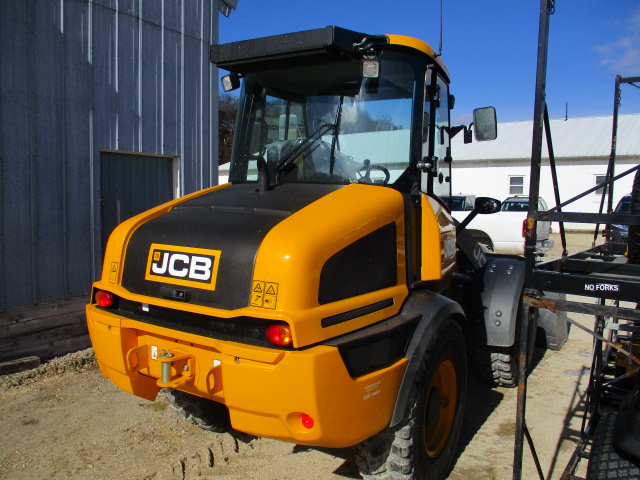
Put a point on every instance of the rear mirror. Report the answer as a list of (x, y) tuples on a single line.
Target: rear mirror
[(485, 124), (486, 205)]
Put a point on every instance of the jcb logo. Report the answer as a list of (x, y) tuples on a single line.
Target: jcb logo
[(186, 266)]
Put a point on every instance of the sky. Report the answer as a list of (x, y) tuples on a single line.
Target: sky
[(489, 46)]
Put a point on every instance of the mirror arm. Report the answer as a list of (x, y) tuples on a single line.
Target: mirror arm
[(462, 225), (468, 134), (453, 131)]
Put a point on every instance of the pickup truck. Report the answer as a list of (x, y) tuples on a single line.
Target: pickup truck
[(503, 231)]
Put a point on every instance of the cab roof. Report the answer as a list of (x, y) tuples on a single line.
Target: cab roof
[(306, 47)]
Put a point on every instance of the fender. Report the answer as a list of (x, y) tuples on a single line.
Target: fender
[(497, 296), (433, 309)]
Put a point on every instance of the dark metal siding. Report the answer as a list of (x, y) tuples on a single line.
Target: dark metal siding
[(78, 77)]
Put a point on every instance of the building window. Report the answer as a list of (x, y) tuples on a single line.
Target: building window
[(600, 179), (516, 185)]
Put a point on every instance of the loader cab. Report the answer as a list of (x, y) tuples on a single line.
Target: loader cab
[(339, 107)]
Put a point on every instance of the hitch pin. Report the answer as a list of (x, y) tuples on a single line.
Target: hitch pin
[(166, 365)]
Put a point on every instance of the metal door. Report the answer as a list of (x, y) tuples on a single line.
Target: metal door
[(131, 184)]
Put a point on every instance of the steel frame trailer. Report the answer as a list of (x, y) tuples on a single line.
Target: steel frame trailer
[(607, 286)]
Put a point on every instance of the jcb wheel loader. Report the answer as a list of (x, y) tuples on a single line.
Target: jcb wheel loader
[(324, 296)]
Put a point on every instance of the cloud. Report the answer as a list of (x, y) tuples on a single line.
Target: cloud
[(624, 54)]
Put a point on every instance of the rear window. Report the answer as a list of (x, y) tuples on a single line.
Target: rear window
[(624, 205), (459, 204), (515, 206)]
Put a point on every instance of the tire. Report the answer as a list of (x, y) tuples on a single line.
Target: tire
[(605, 463), (634, 230), (423, 445), (498, 366), (206, 414)]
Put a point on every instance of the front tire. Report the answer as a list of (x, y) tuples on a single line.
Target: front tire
[(206, 414), (423, 445), (499, 366)]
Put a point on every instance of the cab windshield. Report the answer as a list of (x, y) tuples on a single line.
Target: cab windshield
[(326, 124)]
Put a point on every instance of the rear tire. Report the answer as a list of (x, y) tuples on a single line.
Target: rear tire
[(423, 445), (605, 463), (206, 414)]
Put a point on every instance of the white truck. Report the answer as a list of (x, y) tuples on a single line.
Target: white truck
[(504, 231)]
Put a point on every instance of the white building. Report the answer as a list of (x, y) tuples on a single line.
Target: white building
[(581, 147)]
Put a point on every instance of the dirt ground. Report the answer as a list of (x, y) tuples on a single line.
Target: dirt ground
[(64, 420)]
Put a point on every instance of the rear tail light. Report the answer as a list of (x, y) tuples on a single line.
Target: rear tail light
[(279, 334), (524, 228), (104, 299), (307, 421)]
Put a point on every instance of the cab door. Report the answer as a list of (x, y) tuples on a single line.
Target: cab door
[(438, 229)]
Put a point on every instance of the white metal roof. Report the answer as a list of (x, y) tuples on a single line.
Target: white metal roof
[(583, 137)]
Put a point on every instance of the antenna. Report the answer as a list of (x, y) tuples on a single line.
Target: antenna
[(566, 111), (439, 54)]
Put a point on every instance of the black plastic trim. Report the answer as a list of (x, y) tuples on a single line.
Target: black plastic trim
[(377, 346), (358, 312), (246, 330)]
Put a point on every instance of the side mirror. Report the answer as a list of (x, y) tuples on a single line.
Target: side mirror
[(487, 205), (482, 206), (485, 124)]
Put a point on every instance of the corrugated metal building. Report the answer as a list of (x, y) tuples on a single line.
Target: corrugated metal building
[(107, 108)]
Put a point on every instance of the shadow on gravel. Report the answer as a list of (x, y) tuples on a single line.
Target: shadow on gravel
[(482, 400), (348, 469), (578, 406)]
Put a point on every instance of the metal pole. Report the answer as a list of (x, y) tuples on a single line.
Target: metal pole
[(608, 189), (554, 176), (546, 7)]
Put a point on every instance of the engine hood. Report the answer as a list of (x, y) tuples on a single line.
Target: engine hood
[(203, 250)]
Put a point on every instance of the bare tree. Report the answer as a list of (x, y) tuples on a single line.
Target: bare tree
[(227, 113)]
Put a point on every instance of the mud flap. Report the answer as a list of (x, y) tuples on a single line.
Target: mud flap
[(497, 296)]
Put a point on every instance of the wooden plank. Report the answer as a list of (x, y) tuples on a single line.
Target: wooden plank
[(41, 324), (25, 314), (19, 343), (51, 350), (19, 365)]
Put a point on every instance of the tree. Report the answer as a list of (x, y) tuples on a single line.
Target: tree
[(227, 113)]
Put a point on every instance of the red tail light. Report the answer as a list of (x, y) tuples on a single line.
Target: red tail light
[(307, 421), (104, 299), (524, 228), (279, 334)]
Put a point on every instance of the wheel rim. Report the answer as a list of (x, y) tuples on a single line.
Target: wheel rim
[(440, 408)]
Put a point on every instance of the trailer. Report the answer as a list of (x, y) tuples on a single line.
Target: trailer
[(603, 281)]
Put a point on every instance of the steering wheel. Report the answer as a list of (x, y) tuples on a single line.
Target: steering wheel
[(367, 167)]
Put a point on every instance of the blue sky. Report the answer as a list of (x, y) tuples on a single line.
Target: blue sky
[(489, 46)]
